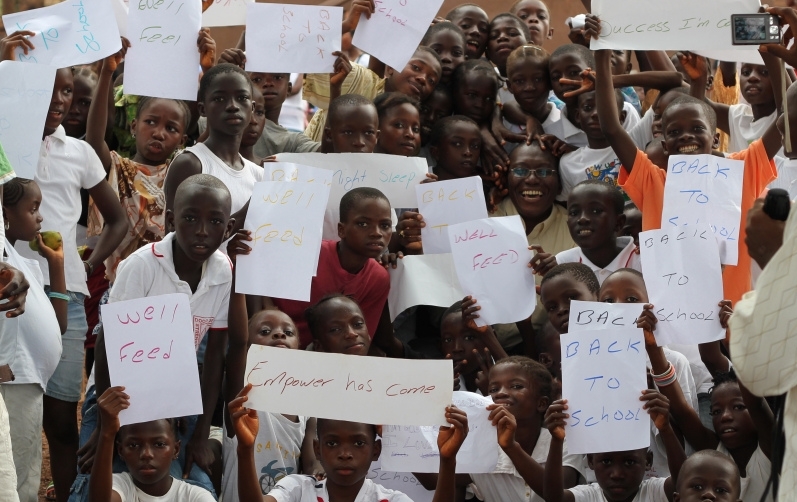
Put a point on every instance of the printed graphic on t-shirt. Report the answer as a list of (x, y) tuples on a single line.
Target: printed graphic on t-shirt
[(607, 172), (201, 326), (271, 475)]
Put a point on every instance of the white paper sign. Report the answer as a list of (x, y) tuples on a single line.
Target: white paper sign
[(283, 38), (163, 37), (226, 13), (149, 343), (68, 33), (603, 376), (413, 448), (428, 279), (446, 203), (673, 25), (395, 29), (405, 482), (285, 219), (600, 315), (375, 390), (25, 94), (684, 281), (120, 10), (705, 189), (491, 258)]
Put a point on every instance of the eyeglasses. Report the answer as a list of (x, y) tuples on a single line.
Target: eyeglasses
[(524, 172)]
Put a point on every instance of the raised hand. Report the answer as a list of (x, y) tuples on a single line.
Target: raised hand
[(586, 83), (647, 323), (238, 246), (556, 418), (695, 66), (450, 439), (207, 49), (233, 56), (726, 310), (541, 262), (486, 363), (244, 421), (357, 8), (657, 406), (342, 69), (111, 403), (11, 42), (505, 424)]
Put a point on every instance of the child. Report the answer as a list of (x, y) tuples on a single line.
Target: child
[(352, 124), (455, 145), (535, 14), (595, 217), (337, 325), (254, 131), (507, 33), (475, 24), (549, 349), (708, 475), (448, 41), (30, 344), (633, 222), (147, 449), (474, 88), (562, 284), (85, 81), (399, 124), (439, 104), (529, 82)]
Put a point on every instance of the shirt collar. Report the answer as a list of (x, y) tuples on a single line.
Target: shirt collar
[(215, 271), (59, 134)]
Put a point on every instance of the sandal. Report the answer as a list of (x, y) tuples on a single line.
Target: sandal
[(49, 494)]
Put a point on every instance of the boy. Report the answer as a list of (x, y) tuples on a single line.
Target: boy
[(595, 217), (475, 25), (688, 126), (561, 285), (352, 124), (708, 475)]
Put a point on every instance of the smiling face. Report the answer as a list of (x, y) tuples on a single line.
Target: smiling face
[(528, 81), (450, 46), (76, 118), (345, 451), (159, 130), (509, 384), (273, 328), (23, 218), (473, 21), (505, 36), (400, 131), (619, 473), (755, 84), (591, 217), (532, 196), (228, 104), (566, 65), (418, 78), (148, 450), (730, 417), (341, 328), (686, 130), (474, 97), (535, 14), (556, 295), (458, 153), (61, 100)]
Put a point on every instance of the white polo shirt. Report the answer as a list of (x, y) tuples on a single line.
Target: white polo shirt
[(302, 488), (627, 258)]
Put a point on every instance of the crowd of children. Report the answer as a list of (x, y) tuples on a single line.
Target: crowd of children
[(150, 196)]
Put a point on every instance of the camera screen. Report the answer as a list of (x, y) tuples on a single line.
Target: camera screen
[(750, 28)]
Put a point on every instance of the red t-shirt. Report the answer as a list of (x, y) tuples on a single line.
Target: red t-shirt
[(368, 287)]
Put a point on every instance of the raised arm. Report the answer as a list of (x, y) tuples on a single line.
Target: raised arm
[(661, 80), (612, 128), (553, 480), (697, 68), (449, 440), (110, 403), (658, 408), (772, 138), (116, 225), (97, 121)]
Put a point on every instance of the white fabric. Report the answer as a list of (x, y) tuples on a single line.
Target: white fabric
[(757, 472), (65, 166), (787, 174), (277, 450), (701, 375), (301, 488), (560, 126), (31, 343), (24, 403), (292, 115), (642, 132), (743, 129), (8, 475), (149, 271), (240, 183), (179, 492), (764, 342), (627, 258), (587, 164), (651, 490)]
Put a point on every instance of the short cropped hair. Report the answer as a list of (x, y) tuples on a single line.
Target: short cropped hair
[(475, 66), (714, 455), (577, 50), (348, 100), (430, 51), (211, 74), (388, 100), (311, 312), (686, 99), (577, 271), (322, 422), (441, 127), (530, 51), (453, 12), (352, 197), (535, 370), (521, 25), (202, 180), (442, 26), (618, 202)]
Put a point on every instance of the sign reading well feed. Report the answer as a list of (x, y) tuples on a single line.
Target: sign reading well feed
[(684, 281), (375, 390), (491, 258), (603, 376), (705, 189), (149, 344), (282, 38), (673, 25), (446, 203), (68, 33)]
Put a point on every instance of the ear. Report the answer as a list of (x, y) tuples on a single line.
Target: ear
[(377, 134), (389, 72), (664, 147), (629, 66), (377, 450), (200, 106), (183, 141), (340, 230), (676, 497), (133, 127), (620, 223), (433, 151), (589, 461), (290, 87), (545, 359), (542, 404), (649, 460), (316, 448), (170, 220), (623, 114), (176, 449), (716, 143), (550, 33), (228, 230)]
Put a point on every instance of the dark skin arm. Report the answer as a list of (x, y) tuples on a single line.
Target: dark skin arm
[(110, 403), (762, 417), (115, 222), (711, 353), (97, 121), (772, 139), (553, 479), (246, 426)]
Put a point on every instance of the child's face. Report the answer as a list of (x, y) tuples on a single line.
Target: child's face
[(353, 129), (730, 417), (755, 84), (535, 14), (473, 21), (460, 342), (273, 328), (633, 224), (458, 152), (24, 219), (438, 105), (505, 36), (475, 97), (623, 287), (200, 220), (451, 49), (708, 478), (61, 101), (346, 450), (587, 116), (556, 295), (228, 104), (148, 449), (591, 217), (532, 195), (273, 86), (342, 329), (619, 473), (419, 77), (661, 104), (83, 90), (257, 123), (400, 131), (528, 81), (621, 62), (552, 356), (368, 227), (686, 130), (511, 386), (159, 130), (567, 65)]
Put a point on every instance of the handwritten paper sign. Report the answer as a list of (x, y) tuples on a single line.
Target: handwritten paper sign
[(491, 258), (603, 376), (375, 390), (288, 171), (405, 482), (428, 279), (684, 281), (673, 25), (446, 203), (68, 33), (120, 10), (413, 448), (226, 13), (163, 35), (25, 94), (706, 189), (395, 29), (285, 219), (600, 315), (149, 343), (283, 38)]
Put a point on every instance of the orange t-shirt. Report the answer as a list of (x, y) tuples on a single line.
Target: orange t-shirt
[(645, 186)]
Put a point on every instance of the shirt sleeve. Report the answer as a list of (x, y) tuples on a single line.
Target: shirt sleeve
[(288, 489), (587, 493), (220, 320), (123, 485), (133, 278), (93, 172), (645, 186)]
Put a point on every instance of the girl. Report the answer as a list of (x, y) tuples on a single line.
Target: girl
[(475, 86), (507, 33), (30, 343), (85, 83), (455, 145), (448, 41), (529, 83), (147, 450), (399, 124), (439, 104)]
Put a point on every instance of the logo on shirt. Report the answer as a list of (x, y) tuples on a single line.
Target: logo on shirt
[(604, 172), (272, 475), (201, 326)]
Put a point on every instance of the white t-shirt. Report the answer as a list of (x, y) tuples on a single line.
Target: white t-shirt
[(588, 164), (179, 492), (277, 450), (743, 129), (757, 472), (65, 166), (627, 258), (651, 490), (701, 375), (31, 343), (292, 115), (301, 488), (642, 132), (560, 126)]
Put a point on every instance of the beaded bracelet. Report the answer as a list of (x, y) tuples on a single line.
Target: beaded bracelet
[(666, 378), (58, 296)]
